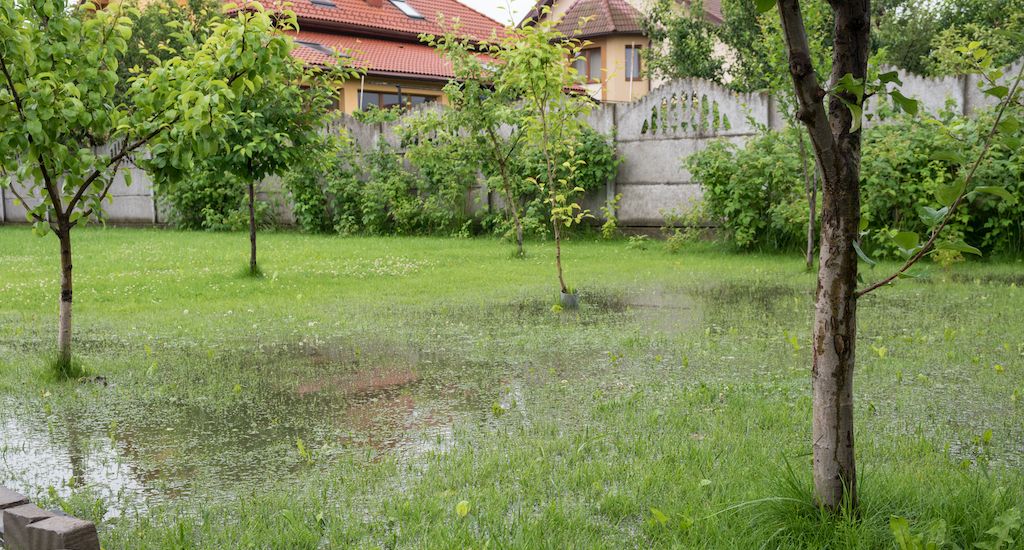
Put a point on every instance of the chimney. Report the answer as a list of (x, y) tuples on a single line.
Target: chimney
[(375, 3)]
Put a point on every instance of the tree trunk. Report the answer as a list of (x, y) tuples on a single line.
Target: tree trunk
[(253, 270), (835, 319), (502, 165), (835, 335), (811, 191), (514, 208), (64, 329), (557, 228)]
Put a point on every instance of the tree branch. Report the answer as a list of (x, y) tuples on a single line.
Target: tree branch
[(37, 217), (47, 180), (115, 160), (809, 94), (927, 246)]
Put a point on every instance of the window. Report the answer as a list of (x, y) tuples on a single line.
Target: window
[(633, 67), (387, 100), (588, 64), (316, 46), (325, 3), (406, 9)]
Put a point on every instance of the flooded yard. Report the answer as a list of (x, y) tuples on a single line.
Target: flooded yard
[(363, 410)]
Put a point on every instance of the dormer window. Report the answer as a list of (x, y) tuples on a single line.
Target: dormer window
[(316, 46), (407, 9)]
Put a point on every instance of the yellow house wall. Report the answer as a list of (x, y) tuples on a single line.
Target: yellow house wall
[(614, 86), (617, 87), (348, 99)]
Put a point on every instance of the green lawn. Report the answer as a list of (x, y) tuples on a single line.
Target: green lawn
[(363, 388)]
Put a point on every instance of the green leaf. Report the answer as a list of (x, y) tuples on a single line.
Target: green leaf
[(856, 113), (948, 194), (906, 240), (948, 156), (997, 91), (910, 106), (1010, 142), (851, 85), (1009, 124), (659, 517), (862, 255), (890, 77), (998, 191), (959, 246), (931, 216), (764, 6)]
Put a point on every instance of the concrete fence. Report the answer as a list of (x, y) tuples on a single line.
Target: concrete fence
[(25, 526), (653, 135)]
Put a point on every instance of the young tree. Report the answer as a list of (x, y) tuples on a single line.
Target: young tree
[(264, 130), (58, 81), (160, 30), (835, 136), (484, 109), (537, 69)]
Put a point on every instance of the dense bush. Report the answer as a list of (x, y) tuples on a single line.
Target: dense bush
[(344, 190), (597, 163), (339, 188), (755, 193), (214, 202)]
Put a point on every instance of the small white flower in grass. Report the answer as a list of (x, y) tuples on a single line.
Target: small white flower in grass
[(185, 312)]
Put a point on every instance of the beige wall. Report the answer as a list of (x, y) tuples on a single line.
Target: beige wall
[(614, 86), (349, 95)]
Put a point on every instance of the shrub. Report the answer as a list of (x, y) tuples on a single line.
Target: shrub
[(324, 191), (755, 193), (600, 163), (212, 202)]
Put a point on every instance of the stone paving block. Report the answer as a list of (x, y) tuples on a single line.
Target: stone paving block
[(16, 522), (9, 499), (62, 532)]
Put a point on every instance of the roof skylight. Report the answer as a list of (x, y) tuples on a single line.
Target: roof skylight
[(316, 46), (326, 3), (407, 9)]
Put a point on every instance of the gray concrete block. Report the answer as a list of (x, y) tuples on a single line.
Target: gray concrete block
[(16, 522), (66, 532), (10, 499)]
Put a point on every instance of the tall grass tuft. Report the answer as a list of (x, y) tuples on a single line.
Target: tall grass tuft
[(63, 368)]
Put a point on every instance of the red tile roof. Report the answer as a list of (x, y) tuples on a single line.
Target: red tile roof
[(587, 18), (712, 10), (374, 55), (358, 16)]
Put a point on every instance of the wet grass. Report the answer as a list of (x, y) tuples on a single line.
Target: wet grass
[(362, 388)]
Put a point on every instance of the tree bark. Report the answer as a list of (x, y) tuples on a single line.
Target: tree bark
[(835, 320), (514, 208), (253, 270), (557, 227), (811, 191), (64, 328)]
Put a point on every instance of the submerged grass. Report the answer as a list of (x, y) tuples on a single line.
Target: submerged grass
[(363, 388)]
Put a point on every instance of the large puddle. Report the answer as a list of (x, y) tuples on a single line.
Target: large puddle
[(309, 403), (306, 404)]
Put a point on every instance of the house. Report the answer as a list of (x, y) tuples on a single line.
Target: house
[(382, 38), (612, 61)]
